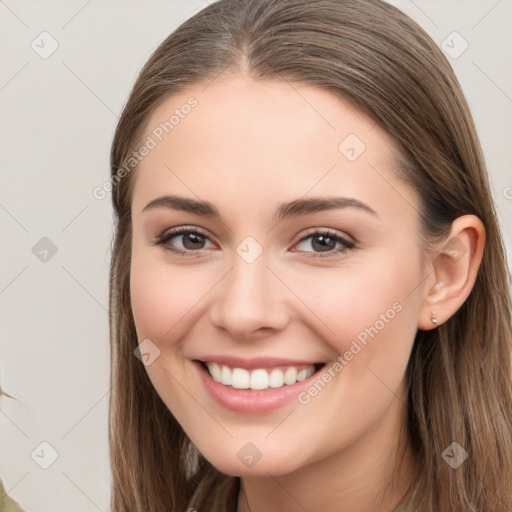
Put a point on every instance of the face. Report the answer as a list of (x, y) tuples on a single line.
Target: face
[(303, 310)]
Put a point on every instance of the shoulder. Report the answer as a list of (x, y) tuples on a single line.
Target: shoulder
[(7, 504)]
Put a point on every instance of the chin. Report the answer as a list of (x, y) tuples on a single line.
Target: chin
[(246, 465)]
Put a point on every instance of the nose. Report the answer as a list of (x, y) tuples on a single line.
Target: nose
[(250, 301)]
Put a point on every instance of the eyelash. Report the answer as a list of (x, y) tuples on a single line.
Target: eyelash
[(312, 233)]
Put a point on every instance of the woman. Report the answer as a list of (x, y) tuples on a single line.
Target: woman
[(302, 210)]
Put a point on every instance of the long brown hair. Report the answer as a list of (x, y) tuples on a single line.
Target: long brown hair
[(459, 375)]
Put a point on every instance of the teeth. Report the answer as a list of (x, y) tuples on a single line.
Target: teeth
[(302, 375), (290, 376), (259, 379), (276, 379), (240, 378), (215, 372), (225, 376)]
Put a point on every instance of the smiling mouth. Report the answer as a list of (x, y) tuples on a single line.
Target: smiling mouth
[(259, 379)]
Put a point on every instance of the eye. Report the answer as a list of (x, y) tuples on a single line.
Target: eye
[(192, 240), (325, 241)]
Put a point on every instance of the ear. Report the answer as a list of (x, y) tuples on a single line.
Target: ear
[(454, 266)]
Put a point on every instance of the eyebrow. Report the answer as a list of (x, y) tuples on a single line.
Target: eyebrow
[(295, 208)]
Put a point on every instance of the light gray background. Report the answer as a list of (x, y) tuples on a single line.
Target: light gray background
[(58, 117)]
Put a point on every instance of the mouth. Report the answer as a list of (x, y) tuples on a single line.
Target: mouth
[(261, 378), (257, 386)]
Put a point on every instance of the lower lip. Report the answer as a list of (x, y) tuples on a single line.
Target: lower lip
[(249, 401)]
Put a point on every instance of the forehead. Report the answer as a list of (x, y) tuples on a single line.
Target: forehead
[(240, 106), (236, 137)]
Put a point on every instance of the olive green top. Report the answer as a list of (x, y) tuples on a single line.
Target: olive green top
[(7, 504), (407, 505)]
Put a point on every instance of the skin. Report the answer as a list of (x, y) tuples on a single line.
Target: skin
[(247, 147)]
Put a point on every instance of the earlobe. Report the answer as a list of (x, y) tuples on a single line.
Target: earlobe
[(455, 263)]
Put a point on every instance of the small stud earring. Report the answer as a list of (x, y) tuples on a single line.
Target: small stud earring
[(433, 317), (438, 286)]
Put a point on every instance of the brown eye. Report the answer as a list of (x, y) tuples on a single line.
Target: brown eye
[(325, 242), (191, 240)]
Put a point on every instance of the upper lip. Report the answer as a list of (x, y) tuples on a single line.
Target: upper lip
[(256, 362)]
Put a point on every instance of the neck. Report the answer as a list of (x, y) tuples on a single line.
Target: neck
[(370, 474)]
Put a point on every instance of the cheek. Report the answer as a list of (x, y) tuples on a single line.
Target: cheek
[(368, 315), (369, 318), (163, 297), (163, 301), (348, 302)]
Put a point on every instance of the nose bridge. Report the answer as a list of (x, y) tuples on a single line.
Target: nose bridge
[(248, 299)]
